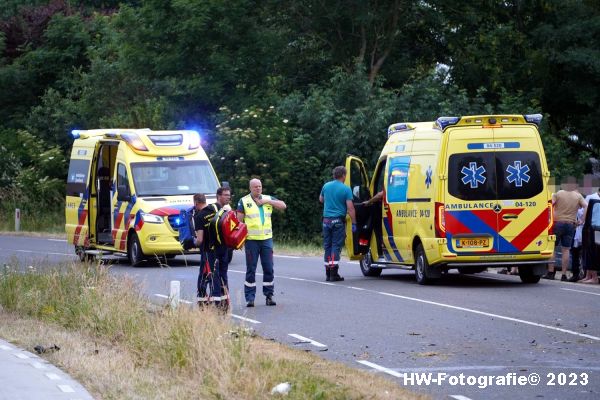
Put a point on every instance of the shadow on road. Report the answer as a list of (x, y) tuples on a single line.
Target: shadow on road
[(482, 280)]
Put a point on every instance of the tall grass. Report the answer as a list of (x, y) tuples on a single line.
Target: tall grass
[(44, 219), (162, 353)]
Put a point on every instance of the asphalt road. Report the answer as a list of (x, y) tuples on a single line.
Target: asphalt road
[(483, 336)]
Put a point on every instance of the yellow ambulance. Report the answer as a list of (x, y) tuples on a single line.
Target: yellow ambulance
[(467, 193), (126, 187)]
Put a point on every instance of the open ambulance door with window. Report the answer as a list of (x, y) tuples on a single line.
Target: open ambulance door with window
[(77, 200), (591, 233), (357, 244)]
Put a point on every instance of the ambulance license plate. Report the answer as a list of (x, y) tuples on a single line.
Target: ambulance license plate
[(473, 243)]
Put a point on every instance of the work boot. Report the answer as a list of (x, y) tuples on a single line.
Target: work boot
[(549, 275), (270, 301), (335, 276), (328, 273), (250, 303)]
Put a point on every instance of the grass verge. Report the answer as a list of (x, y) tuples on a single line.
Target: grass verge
[(119, 347)]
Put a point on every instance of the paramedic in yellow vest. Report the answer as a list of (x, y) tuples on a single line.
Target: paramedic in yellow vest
[(255, 211)]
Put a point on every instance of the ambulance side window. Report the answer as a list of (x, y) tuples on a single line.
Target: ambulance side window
[(397, 179), (596, 216), (122, 183), (77, 177), (358, 183)]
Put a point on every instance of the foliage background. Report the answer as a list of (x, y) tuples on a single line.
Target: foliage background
[(283, 89)]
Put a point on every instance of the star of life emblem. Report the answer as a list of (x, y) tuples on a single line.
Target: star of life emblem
[(428, 174), (517, 174), (473, 175)]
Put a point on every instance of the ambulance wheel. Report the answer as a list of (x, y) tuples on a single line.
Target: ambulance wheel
[(527, 276), (366, 266), (421, 266), (134, 251)]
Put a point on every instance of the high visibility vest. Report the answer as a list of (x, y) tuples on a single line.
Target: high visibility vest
[(256, 229)]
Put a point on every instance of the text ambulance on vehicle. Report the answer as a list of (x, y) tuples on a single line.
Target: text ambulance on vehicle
[(126, 187), (466, 193)]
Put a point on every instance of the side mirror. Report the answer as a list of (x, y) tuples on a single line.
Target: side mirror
[(123, 193)]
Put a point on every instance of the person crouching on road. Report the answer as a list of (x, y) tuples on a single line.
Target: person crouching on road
[(337, 200), (255, 210)]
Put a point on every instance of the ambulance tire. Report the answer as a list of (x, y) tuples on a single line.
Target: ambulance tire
[(527, 275), (134, 251), (422, 267), (366, 268)]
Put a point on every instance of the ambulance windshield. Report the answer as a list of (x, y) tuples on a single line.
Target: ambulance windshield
[(173, 178), (501, 175)]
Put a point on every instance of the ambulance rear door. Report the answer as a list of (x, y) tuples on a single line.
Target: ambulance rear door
[(521, 176), (471, 204), (357, 244)]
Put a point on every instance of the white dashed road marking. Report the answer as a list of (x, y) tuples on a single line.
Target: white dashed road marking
[(3, 347), (380, 368), (164, 296), (307, 340), (53, 377), (459, 397), (38, 365), (66, 389), (522, 321), (57, 240), (21, 356), (581, 291), (252, 321), (46, 252)]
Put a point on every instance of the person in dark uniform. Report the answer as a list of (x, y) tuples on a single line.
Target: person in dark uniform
[(212, 277)]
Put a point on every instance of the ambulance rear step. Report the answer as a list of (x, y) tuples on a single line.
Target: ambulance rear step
[(495, 263)]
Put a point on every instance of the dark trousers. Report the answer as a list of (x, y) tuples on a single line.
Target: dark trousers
[(212, 278), (334, 234), (575, 260), (254, 250)]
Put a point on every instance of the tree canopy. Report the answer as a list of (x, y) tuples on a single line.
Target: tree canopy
[(285, 89)]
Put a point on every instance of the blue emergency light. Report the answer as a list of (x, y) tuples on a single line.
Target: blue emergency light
[(534, 119), (444, 122), (399, 128), (195, 139), (75, 133)]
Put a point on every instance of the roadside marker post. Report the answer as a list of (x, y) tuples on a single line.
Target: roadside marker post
[(17, 219), (175, 294)]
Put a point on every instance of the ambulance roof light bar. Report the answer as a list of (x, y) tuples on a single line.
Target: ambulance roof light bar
[(403, 126)]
